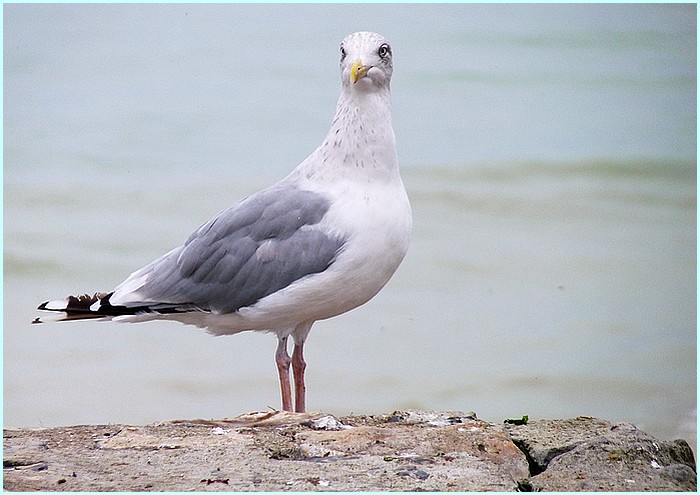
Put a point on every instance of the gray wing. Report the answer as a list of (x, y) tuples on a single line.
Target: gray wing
[(246, 252)]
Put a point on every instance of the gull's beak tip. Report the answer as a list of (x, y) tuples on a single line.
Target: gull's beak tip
[(358, 71)]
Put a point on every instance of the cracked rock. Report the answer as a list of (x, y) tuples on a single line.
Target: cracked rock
[(588, 454)]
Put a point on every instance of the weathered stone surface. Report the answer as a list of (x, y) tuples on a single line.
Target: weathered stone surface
[(587, 454), (403, 451)]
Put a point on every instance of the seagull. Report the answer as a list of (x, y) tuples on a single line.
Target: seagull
[(322, 241)]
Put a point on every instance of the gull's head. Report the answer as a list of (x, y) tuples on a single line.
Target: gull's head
[(365, 62)]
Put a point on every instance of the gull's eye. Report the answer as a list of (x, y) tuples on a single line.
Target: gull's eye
[(342, 52), (384, 51)]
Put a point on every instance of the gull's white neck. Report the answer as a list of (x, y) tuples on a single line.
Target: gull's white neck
[(360, 142)]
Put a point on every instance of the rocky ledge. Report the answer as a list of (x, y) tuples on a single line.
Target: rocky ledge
[(402, 451)]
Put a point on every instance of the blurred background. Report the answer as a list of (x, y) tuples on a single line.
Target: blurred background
[(549, 152)]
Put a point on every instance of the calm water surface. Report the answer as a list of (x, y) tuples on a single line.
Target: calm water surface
[(549, 153)]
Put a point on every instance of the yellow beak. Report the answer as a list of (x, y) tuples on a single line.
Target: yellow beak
[(358, 71)]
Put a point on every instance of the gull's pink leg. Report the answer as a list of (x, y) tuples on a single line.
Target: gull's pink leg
[(298, 366), (282, 359)]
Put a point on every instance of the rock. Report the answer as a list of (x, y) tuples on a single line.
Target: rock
[(326, 423), (402, 451), (587, 454)]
